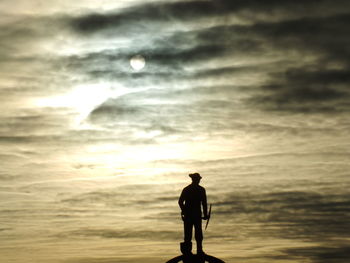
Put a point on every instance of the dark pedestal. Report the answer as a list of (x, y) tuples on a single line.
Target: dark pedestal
[(188, 257)]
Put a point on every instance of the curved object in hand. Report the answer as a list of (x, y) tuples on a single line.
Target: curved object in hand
[(206, 225)]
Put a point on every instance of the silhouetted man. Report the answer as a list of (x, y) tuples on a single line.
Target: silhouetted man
[(192, 198)]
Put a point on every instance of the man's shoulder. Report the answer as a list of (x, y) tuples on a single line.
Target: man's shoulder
[(192, 187), (187, 187), (201, 187)]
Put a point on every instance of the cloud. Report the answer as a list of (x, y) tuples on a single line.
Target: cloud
[(320, 254), (289, 88), (35, 122), (289, 70), (6, 177), (164, 63), (120, 196), (140, 115), (214, 72), (194, 10), (116, 108), (146, 259), (21, 37), (298, 215), (154, 12), (125, 234), (29, 63), (301, 90), (188, 112)]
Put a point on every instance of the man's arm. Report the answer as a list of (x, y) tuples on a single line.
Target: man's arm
[(204, 204), (182, 201)]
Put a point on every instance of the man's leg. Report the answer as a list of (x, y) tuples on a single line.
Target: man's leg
[(199, 235), (186, 246), (188, 230)]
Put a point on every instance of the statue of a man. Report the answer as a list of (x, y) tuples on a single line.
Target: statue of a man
[(192, 199)]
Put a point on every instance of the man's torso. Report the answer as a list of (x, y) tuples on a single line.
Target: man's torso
[(193, 196)]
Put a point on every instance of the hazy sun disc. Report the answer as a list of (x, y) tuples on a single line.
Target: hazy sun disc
[(137, 62)]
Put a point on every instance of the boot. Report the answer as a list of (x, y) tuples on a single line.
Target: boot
[(200, 249), (186, 248)]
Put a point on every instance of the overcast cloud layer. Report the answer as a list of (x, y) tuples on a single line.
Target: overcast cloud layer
[(252, 94)]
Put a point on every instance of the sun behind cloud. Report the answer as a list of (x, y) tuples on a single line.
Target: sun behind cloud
[(137, 62)]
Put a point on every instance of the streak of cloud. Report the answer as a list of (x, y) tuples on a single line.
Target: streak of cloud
[(251, 94)]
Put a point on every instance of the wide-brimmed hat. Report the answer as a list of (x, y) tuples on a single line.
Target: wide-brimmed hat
[(195, 175)]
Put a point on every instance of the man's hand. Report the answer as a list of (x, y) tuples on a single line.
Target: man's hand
[(206, 217), (182, 215)]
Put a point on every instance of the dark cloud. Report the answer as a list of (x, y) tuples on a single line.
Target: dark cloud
[(299, 88), (213, 69), (311, 87), (159, 12), (320, 254), (29, 66), (298, 215), (139, 114), (69, 138), (140, 117), (20, 35), (120, 196), (6, 177), (289, 35), (190, 111), (193, 10), (295, 84), (123, 234), (34, 121), (302, 90), (117, 109), (165, 63)]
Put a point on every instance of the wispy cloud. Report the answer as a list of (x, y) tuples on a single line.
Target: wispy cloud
[(253, 94), (320, 254), (123, 234)]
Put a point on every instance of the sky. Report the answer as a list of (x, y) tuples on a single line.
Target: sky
[(254, 95)]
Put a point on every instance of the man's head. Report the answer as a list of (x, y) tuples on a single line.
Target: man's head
[(195, 178)]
